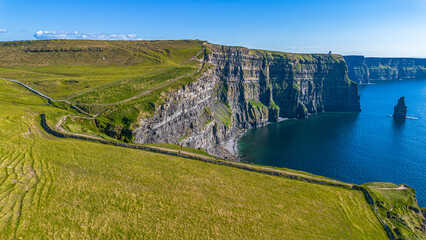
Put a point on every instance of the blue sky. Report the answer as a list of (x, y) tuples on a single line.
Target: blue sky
[(372, 28)]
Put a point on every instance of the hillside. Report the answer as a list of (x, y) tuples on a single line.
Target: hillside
[(186, 92), (64, 188), (118, 81)]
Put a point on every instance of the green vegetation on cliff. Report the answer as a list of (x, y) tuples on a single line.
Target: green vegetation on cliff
[(222, 114), (297, 57), (55, 188), (398, 208)]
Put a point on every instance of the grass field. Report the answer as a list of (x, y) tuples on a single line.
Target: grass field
[(118, 81), (53, 188), (65, 69), (398, 206)]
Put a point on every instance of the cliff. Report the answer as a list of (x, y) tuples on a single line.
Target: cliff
[(364, 70), (243, 89)]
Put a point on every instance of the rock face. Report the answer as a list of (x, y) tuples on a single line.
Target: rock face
[(245, 89), (364, 70), (400, 110)]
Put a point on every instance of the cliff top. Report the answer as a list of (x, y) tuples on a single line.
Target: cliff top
[(120, 82), (271, 54), (118, 53), (383, 58)]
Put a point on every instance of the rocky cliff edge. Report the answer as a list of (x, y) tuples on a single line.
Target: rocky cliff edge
[(242, 89)]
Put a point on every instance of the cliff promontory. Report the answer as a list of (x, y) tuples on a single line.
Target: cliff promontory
[(365, 69), (244, 89)]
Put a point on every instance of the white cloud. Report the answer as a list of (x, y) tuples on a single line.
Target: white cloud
[(3, 30), (78, 35)]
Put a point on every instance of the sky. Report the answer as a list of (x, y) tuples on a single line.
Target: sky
[(381, 28)]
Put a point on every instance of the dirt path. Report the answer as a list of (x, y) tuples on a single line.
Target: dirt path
[(200, 67), (150, 90), (182, 152), (400, 187), (296, 174), (59, 127), (59, 123)]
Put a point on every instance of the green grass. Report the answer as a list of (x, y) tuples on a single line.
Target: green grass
[(65, 74), (295, 57), (127, 88), (296, 86), (76, 124), (222, 113), (274, 106), (121, 81), (258, 108), (55, 188), (399, 208), (116, 71), (178, 148)]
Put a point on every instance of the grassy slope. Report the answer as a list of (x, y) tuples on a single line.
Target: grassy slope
[(399, 208), (119, 81), (65, 68), (63, 188), (96, 74), (178, 148)]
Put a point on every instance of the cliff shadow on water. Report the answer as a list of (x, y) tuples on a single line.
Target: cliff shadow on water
[(299, 139)]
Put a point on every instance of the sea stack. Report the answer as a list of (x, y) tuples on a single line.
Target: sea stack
[(400, 110)]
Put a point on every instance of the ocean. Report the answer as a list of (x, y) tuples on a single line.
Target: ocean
[(363, 147)]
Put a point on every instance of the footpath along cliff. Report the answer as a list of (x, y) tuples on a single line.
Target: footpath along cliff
[(244, 89)]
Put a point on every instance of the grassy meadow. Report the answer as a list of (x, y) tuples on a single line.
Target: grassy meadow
[(53, 188), (119, 82)]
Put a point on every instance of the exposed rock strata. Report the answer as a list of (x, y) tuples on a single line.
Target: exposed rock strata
[(400, 110), (246, 89), (364, 70)]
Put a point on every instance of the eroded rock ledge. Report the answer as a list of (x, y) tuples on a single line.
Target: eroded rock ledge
[(245, 89)]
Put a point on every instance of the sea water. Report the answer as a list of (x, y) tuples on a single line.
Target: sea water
[(352, 147)]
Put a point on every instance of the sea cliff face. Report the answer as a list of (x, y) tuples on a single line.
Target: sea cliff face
[(245, 89), (364, 70)]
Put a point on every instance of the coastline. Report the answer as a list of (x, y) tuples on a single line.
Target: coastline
[(231, 145)]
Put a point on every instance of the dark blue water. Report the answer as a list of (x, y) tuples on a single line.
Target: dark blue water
[(352, 147)]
